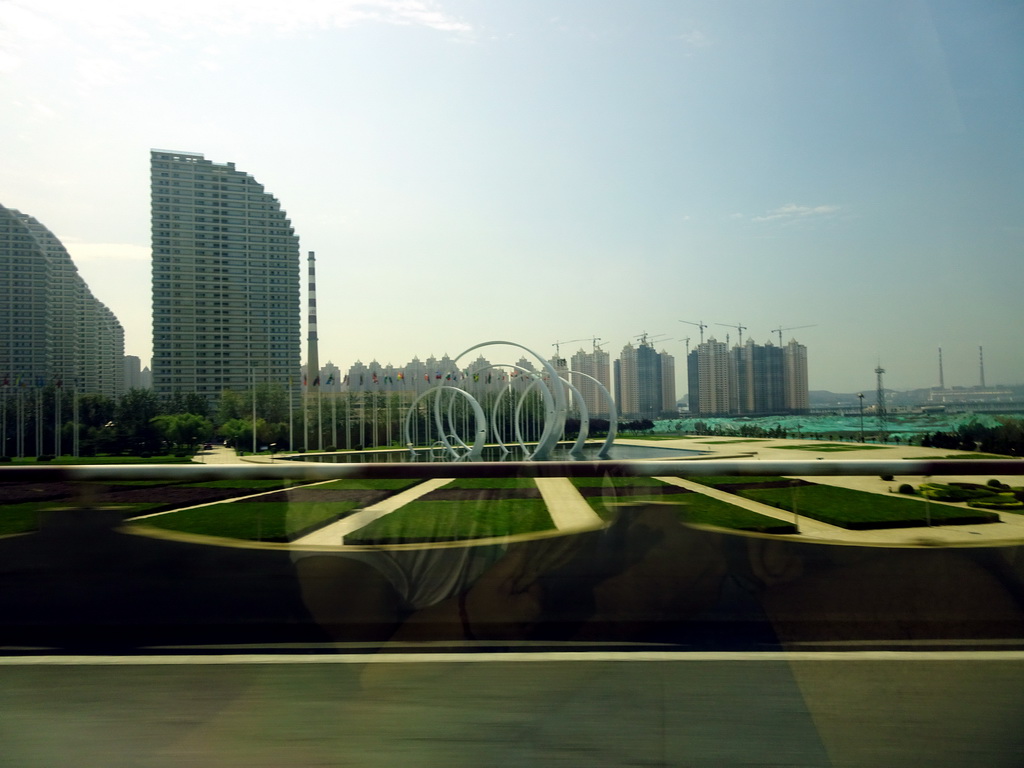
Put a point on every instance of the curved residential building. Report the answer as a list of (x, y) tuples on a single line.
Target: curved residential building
[(52, 329), (226, 307)]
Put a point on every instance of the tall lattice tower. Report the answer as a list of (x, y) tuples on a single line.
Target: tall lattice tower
[(882, 419)]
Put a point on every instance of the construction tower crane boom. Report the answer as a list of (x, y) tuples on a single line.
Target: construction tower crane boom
[(740, 328), (698, 324), (780, 329), (557, 344)]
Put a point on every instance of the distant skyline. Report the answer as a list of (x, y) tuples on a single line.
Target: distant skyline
[(545, 171)]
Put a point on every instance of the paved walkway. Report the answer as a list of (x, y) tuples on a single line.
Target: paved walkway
[(1009, 530), (568, 509), (571, 512), (334, 534)]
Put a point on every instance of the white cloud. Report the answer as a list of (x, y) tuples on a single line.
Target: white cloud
[(135, 33), (794, 212)]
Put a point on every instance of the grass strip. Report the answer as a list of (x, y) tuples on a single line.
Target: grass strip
[(833, 447), (719, 480), (617, 482), (860, 510), (422, 521), (24, 517), (472, 483), (252, 520), (384, 484), (244, 484), (703, 510), (74, 460)]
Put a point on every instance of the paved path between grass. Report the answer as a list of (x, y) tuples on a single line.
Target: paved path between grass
[(334, 534), (808, 528), (567, 507), (1009, 531)]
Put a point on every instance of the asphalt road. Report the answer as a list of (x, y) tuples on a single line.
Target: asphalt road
[(853, 709)]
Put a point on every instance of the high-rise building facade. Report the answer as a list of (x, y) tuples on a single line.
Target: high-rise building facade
[(226, 310), (747, 380), (708, 376), (597, 366), (52, 329), (797, 392), (643, 386)]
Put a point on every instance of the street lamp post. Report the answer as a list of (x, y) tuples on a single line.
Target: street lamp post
[(860, 396)]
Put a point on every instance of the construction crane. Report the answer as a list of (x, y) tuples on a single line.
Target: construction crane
[(700, 324), (687, 340), (779, 330), (557, 344), (646, 339), (740, 328)]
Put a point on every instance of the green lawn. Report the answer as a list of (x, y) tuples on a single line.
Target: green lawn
[(455, 520), (833, 447), (858, 510), (24, 517), (475, 483), (74, 460), (718, 480), (386, 484), (964, 455), (252, 484), (617, 482), (697, 508), (252, 520), (737, 440)]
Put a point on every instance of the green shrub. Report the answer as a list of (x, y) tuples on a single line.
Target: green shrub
[(953, 492), (998, 502), (44, 457), (906, 489), (887, 478), (993, 483)]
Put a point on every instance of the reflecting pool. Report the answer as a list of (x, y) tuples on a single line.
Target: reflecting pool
[(494, 453)]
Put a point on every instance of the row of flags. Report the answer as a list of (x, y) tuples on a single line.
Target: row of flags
[(400, 376)]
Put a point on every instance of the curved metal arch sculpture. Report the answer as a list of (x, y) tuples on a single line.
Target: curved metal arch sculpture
[(472, 453), (554, 391), (613, 413), (555, 421)]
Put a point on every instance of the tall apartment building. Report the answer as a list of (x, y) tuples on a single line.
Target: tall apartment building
[(641, 382), (708, 377), (747, 380), (52, 329), (797, 392), (226, 309), (596, 365)]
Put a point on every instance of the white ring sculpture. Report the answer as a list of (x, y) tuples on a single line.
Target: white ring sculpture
[(553, 390)]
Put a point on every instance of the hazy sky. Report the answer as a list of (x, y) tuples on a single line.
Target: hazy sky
[(546, 170)]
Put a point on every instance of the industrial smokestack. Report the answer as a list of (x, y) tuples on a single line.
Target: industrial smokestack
[(981, 365), (312, 354), (942, 381)]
